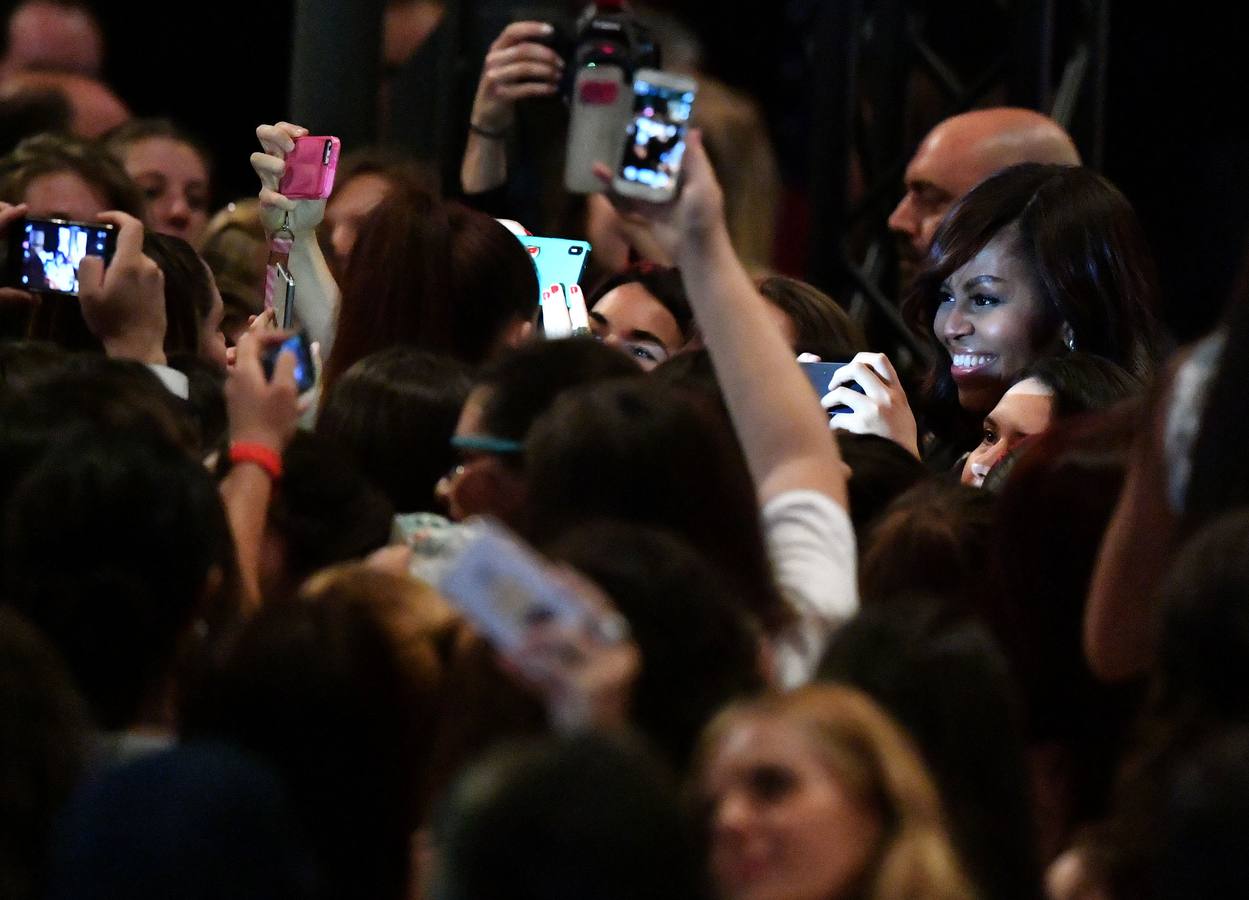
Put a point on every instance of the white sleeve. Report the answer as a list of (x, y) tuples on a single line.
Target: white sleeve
[(811, 544), (175, 382)]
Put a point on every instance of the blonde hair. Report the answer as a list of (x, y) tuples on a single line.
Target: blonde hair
[(875, 760)]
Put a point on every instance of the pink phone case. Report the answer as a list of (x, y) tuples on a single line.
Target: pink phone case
[(310, 168)]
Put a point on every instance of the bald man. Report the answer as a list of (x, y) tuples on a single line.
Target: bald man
[(54, 35), (963, 151)]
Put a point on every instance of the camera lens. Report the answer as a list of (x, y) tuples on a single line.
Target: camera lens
[(574, 251)]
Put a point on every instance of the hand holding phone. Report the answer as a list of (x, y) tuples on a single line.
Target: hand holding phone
[(650, 166), (310, 168), (821, 375), (44, 255), (262, 408), (123, 299), (877, 402), (276, 209), (305, 370)]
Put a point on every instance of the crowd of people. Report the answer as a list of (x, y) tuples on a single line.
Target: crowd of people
[(962, 624)]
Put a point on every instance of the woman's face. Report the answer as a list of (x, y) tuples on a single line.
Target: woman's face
[(212, 341), (347, 210), (1024, 410), (64, 195), (630, 318), (175, 180), (993, 322), (783, 826)]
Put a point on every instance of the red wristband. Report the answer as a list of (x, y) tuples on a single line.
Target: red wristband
[(265, 457)]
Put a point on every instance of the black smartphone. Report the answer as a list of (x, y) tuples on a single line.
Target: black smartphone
[(44, 254), (820, 374), (305, 369)]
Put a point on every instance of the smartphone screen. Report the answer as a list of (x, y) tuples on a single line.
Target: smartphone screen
[(504, 588), (51, 251), (305, 369), (820, 374), (656, 136)]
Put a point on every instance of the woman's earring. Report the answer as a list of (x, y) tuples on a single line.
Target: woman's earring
[(1069, 337)]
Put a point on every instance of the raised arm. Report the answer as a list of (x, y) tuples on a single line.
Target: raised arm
[(799, 477), (516, 67), (779, 421), (316, 292)]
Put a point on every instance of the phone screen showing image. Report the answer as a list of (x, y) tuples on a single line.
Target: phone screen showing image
[(305, 369), (656, 136), (51, 251)]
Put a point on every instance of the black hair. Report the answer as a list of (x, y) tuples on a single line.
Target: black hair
[(1203, 840), (205, 398), (188, 289), (316, 690), (1083, 382), (699, 651), (326, 511), (44, 733), (394, 413), (94, 393), (881, 470), (943, 678), (662, 283), (113, 545), (524, 383), (821, 326), (933, 538), (583, 817), (638, 451)]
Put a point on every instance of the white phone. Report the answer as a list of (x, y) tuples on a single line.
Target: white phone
[(655, 137)]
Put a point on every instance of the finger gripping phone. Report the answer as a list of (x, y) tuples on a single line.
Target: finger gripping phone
[(310, 168), (820, 374), (655, 137), (44, 254), (305, 368)]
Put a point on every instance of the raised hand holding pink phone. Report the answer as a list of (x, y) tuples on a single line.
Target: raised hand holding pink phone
[(277, 210)]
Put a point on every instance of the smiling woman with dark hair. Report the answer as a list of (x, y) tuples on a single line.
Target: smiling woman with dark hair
[(1035, 261)]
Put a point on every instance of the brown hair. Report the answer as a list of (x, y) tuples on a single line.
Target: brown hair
[(461, 702), (875, 760), (46, 154), (435, 276), (821, 326)]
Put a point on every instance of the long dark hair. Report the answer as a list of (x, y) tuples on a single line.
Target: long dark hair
[(650, 454), (435, 276), (1085, 249)]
